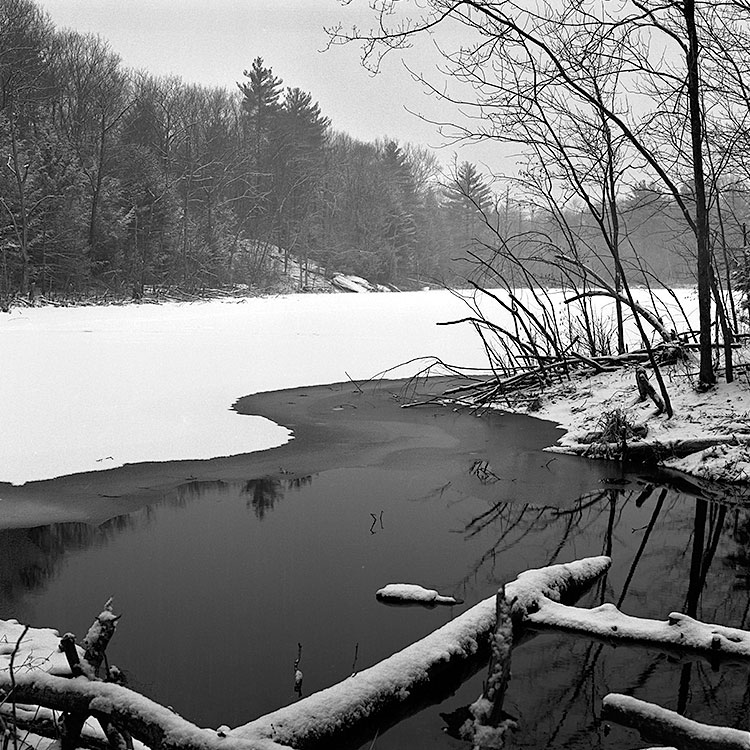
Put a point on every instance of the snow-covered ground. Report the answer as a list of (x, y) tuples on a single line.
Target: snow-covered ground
[(578, 405), (87, 388)]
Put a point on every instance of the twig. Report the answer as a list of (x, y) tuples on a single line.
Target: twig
[(13, 684), (354, 382)]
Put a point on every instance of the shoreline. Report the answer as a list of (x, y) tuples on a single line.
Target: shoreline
[(720, 415), (334, 426), (344, 425)]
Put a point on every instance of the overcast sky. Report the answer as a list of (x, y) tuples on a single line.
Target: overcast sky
[(213, 41)]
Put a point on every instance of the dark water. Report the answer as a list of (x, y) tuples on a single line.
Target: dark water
[(220, 580)]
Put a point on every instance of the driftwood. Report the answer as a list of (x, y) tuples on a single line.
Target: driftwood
[(660, 725), (649, 451)]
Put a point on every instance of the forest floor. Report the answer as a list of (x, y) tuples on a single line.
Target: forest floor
[(583, 405)]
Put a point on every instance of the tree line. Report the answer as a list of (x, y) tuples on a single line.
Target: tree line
[(119, 179), (116, 179)]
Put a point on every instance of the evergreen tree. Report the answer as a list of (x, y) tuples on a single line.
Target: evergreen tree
[(402, 207), (261, 106), (467, 199), (302, 137)]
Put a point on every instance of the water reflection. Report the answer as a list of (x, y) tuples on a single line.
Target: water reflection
[(262, 494), (257, 567), (30, 558), (691, 552)]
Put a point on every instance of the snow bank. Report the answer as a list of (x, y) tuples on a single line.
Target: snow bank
[(728, 463), (723, 412), (37, 650), (90, 388)]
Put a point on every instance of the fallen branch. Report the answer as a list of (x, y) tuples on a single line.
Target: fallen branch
[(149, 722), (646, 451), (679, 633), (422, 674), (661, 725), (652, 319)]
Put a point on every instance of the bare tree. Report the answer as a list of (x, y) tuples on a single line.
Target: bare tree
[(513, 52)]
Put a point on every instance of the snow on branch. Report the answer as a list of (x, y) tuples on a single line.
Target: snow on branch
[(151, 723), (378, 697), (662, 725), (421, 674), (678, 633)]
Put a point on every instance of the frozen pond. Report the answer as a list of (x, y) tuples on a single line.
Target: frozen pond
[(222, 567), (220, 578)]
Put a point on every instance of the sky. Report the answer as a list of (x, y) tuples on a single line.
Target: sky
[(213, 41)]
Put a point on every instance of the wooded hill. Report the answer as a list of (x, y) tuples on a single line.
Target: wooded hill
[(114, 179)]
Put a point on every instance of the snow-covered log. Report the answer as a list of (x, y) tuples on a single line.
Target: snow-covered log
[(410, 593), (661, 725), (344, 714), (679, 633), (649, 450), (149, 722), (424, 673)]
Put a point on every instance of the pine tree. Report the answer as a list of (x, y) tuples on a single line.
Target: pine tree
[(261, 107), (302, 137), (467, 198)]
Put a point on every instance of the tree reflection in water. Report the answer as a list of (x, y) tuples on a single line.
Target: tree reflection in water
[(676, 560), (680, 547), (30, 558)]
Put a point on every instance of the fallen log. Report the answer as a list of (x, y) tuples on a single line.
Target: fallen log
[(343, 715), (350, 712), (151, 723), (661, 725), (678, 634), (648, 451)]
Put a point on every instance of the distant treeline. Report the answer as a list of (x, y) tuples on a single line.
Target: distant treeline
[(117, 179)]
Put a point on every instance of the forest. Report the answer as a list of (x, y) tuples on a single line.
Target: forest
[(114, 181)]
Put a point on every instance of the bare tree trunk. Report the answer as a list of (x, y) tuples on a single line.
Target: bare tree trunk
[(707, 375)]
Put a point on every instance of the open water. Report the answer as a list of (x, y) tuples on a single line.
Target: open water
[(219, 580)]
